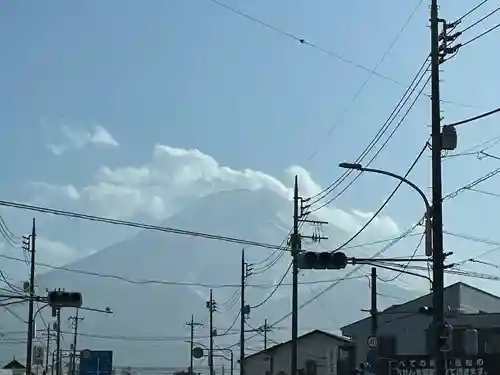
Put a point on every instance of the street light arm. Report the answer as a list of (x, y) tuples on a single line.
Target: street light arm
[(428, 208), (402, 179)]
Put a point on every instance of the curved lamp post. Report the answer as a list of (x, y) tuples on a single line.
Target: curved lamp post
[(428, 207)]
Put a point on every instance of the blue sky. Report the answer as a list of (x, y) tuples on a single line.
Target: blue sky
[(192, 74)]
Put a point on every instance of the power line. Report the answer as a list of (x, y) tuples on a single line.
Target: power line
[(270, 295), (370, 76), (483, 115), (134, 224), (373, 142), (480, 20), (407, 263), (160, 282), (480, 36), (355, 235), (303, 41)]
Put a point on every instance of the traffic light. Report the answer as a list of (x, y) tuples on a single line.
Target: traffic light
[(322, 261), (60, 299)]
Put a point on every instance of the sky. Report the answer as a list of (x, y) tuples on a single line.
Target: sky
[(133, 109)]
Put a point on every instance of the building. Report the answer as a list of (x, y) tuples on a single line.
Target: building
[(402, 330), (319, 353), (15, 367)]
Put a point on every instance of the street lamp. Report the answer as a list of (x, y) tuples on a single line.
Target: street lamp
[(428, 207)]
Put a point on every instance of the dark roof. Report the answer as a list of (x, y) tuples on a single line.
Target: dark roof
[(14, 365), (314, 332)]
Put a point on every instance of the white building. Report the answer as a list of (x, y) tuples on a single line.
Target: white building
[(319, 353)]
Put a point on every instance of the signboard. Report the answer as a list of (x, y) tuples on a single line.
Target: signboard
[(38, 355), (423, 365), (96, 362)]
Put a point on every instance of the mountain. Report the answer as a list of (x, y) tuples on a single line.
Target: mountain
[(161, 311)]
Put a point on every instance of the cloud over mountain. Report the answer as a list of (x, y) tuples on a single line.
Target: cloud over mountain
[(174, 177)]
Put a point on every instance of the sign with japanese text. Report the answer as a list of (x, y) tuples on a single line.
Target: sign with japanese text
[(423, 365)]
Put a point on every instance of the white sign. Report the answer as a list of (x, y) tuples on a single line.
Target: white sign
[(38, 354), (372, 342)]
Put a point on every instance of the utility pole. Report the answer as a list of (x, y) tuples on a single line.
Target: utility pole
[(58, 341), (29, 346), (265, 334), (212, 307), (75, 320), (191, 325), (265, 329), (437, 195), (299, 216), (373, 309), (295, 247), (246, 271), (47, 349)]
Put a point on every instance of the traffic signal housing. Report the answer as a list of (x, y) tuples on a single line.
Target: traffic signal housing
[(58, 299), (322, 261)]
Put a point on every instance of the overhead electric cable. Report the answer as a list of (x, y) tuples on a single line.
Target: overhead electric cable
[(480, 20), (373, 142), (133, 224), (355, 235), (376, 154), (270, 295), (479, 36), (483, 115)]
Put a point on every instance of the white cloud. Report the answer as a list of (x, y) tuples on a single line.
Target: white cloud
[(54, 252), (45, 190), (174, 176), (81, 136)]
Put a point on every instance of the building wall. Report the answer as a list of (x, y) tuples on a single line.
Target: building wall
[(472, 300), (319, 348), (410, 328)]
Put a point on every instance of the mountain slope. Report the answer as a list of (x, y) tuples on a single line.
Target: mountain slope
[(154, 310)]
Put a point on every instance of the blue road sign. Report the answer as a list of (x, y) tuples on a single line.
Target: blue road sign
[(96, 362)]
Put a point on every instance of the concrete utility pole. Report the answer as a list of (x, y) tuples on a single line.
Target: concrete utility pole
[(75, 320), (242, 314), (373, 309), (212, 307), (191, 325), (246, 271), (47, 349), (29, 346), (295, 247), (58, 341), (299, 216), (437, 195)]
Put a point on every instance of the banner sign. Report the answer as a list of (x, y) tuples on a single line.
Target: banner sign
[(424, 365)]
